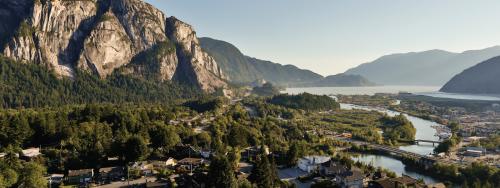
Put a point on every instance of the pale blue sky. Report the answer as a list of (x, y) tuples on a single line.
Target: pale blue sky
[(330, 36)]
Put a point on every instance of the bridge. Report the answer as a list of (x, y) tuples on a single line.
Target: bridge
[(427, 141), (427, 161)]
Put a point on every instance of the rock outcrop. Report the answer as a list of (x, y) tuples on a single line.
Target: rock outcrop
[(144, 24), (105, 36), (12, 13), (194, 62), (107, 47)]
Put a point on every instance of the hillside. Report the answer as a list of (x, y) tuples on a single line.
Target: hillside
[(31, 85), (104, 37), (434, 67), (484, 78), (243, 69)]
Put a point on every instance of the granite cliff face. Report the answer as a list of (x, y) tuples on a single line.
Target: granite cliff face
[(106, 36)]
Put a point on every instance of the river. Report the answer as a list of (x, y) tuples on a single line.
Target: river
[(425, 130)]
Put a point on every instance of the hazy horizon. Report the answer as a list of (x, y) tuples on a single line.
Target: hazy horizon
[(329, 37)]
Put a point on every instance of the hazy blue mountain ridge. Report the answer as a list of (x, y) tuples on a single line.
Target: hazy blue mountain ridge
[(433, 67), (483, 78)]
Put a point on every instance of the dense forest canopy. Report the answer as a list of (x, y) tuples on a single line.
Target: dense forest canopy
[(31, 85), (398, 128), (305, 101)]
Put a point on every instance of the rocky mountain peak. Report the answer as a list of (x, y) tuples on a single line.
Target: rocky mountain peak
[(103, 36)]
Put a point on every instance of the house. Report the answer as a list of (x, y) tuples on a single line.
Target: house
[(144, 167), (82, 176), (474, 151), (170, 162), (351, 179), (191, 163), (312, 163), (381, 183), (111, 173), (331, 168), (30, 153), (252, 152), (403, 181)]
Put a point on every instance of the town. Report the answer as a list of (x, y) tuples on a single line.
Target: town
[(189, 172), (476, 123)]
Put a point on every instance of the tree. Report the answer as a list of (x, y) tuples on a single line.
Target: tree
[(293, 155), (32, 176), (234, 158), (264, 173), (221, 173), (136, 148), (164, 137), (8, 176), (204, 139)]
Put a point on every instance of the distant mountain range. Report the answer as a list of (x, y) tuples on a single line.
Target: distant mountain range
[(244, 69), (433, 67), (483, 78)]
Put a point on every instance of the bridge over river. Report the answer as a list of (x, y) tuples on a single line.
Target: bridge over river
[(428, 141), (423, 159)]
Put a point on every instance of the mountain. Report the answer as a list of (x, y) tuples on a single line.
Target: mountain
[(102, 37), (433, 67), (483, 78), (243, 69)]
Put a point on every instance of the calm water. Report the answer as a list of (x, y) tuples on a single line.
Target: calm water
[(424, 129), (362, 90), (392, 164), (431, 91), (460, 96)]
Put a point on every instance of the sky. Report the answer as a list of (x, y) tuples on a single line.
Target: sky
[(331, 36)]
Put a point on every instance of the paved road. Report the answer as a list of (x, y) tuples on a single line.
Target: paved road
[(290, 174)]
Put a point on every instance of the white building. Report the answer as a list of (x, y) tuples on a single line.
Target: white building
[(31, 152), (311, 163)]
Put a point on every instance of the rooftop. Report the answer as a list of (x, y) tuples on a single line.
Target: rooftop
[(190, 161), (353, 175), (316, 159), (80, 172), (31, 152), (406, 180), (110, 169)]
